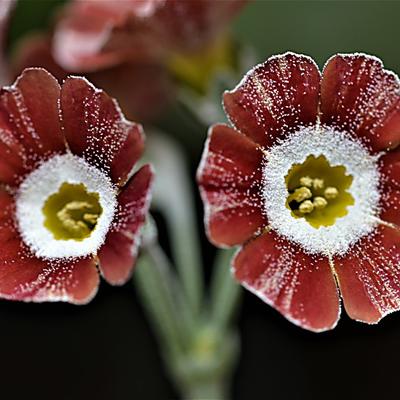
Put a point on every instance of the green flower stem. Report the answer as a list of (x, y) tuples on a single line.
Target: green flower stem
[(213, 390), (199, 345), (201, 360), (173, 196), (225, 291), (155, 285)]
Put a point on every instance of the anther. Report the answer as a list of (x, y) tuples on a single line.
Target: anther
[(306, 207), (306, 181), (90, 218), (331, 193), (73, 225), (301, 194), (319, 203), (318, 184)]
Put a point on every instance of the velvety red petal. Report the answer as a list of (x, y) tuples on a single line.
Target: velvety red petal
[(191, 25), (369, 275), (96, 130), (8, 233), (118, 254), (390, 168), (300, 286), (32, 279), (360, 97), (25, 277), (93, 35), (30, 124), (275, 98), (143, 90), (230, 182)]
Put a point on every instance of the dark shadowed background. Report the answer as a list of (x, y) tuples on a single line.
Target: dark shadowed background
[(106, 350)]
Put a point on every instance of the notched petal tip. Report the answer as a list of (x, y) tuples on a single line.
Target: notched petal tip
[(34, 74), (362, 98), (97, 130), (300, 286), (29, 115), (281, 92), (118, 254), (229, 177)]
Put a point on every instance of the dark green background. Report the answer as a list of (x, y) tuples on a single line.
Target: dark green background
[(106, 350)]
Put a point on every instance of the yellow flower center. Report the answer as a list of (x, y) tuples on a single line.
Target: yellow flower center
[(72, 212), (318, 192)]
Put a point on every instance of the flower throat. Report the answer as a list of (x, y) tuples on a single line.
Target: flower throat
[(318, 192), (72, 212)]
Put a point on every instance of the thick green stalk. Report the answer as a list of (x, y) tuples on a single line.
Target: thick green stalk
[(173, 196), (225, 291), (155, 285)]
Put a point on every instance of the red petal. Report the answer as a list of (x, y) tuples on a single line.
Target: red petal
[(300, 286), (143, 90), (9, 238), (230, 180), (97, 131), (98, 34), (360, 97), (30, 124), (25, 277), (369, 275), (118, 255), (390, 168), (32, 279), (275, 98), (191, 25)]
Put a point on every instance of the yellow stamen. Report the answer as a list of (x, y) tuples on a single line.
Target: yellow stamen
[(66, 217), (331, 193), (318, 192), (306, 181), (301, 194), (318, 184), (319, 203), (306, 207), (72, 212), (91, 218)]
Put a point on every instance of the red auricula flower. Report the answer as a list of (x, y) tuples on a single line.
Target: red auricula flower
[(307, 181), (93, 35), (143, 89), (69, 199), (131, 48), (98, 34)]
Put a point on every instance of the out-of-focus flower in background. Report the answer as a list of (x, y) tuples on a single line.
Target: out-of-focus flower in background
[(6, 7), (143, 90), (92, 35), (307, 181), (69, 197), (139, 50)]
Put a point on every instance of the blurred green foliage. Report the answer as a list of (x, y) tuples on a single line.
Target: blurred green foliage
[(322, 28), (30, 16)]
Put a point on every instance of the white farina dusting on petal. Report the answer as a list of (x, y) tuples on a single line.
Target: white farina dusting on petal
[(45, 181), (339, 149)]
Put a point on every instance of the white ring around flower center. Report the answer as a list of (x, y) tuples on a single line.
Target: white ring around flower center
[(339, 149), (45, 181)]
